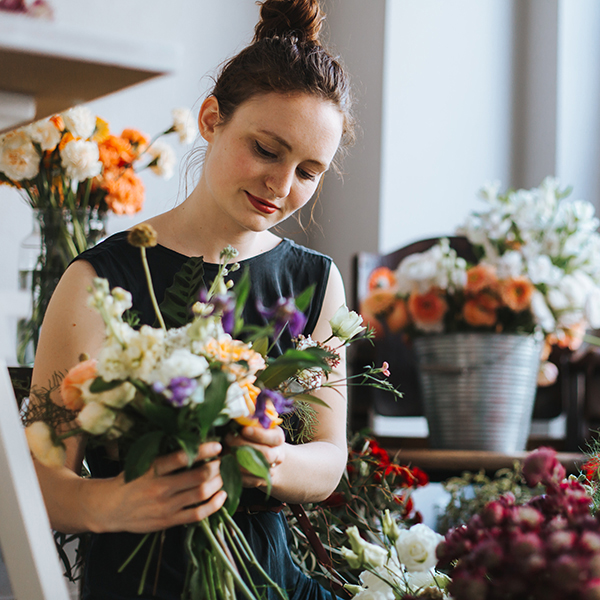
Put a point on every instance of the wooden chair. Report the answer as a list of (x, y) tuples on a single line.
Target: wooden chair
[(367, 403)]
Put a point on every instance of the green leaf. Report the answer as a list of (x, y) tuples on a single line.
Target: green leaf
[(291, 362), (214, 402), (232, 481), (303, 300), (189, 441), (142, 454), (99, 385), (183, 293), (261, 345), (254, 462), (163, 417)]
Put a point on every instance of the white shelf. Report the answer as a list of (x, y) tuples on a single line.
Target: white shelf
[(57, 67)]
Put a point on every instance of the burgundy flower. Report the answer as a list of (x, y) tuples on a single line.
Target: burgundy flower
[(541, 466)]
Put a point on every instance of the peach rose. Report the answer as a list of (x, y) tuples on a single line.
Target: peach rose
[(70, 388)]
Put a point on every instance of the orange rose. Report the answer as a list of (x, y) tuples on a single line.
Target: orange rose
[(480, 310), (516, 293), (381, 278), (124, 191), (480, 277), (70, 388), (427, 310)]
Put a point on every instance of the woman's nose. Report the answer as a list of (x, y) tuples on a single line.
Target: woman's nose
[(279, 181)]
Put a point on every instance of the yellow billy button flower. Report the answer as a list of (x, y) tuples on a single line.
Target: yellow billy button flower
[(142, 236), (346, 324)]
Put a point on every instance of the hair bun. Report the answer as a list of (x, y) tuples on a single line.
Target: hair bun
[(302, 18)]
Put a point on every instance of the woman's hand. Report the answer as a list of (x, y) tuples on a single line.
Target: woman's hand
[(271, 442), (166, 495)]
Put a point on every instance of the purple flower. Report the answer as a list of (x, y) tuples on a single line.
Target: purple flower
[(178, 390), (280, 403), (285, 313), (224, 304)]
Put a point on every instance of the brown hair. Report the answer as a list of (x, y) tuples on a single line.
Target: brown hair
[(286, 56)]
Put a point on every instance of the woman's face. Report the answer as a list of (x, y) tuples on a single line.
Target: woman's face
[(267, 161)]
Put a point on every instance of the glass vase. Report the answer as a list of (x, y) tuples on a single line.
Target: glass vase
[(56, 238)]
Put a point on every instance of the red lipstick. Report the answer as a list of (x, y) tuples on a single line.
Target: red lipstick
[(262, 205)]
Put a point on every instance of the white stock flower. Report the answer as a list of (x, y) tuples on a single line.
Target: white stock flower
[(542, 314), (416, 270), (116, 397), (96, 418), (346, 324), (162, 159), (41, 444), (80, 121), (416, 547), (81, 160), (184, 124), (592, 308), (19, 159), (45, 133), (510, 264)]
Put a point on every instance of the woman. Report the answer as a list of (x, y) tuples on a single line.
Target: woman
[(273, 126)]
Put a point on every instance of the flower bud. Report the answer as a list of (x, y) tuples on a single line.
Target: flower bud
[(389, 527)]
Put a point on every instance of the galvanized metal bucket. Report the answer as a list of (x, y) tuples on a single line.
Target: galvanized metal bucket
[(479, 389)]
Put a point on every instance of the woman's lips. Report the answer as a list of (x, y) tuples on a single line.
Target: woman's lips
[(261, 205)]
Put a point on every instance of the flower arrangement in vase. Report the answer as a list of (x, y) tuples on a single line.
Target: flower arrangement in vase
[(73, 172)]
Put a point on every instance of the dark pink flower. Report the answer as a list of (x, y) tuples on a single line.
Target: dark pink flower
[(541, 466)]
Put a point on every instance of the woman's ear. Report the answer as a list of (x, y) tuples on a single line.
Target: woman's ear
[(208, 118)]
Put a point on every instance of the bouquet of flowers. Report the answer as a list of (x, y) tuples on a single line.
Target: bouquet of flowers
[(537, 268), (172, 387), (372, 483), (73, 171), (548, 547), (402, 564)]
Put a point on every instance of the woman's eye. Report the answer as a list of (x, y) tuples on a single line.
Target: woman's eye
[(305, 175), (263, 151)]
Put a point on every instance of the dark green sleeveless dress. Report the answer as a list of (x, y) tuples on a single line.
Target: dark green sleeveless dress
[(285, 271)]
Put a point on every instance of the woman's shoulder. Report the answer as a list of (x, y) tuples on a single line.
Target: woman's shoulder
[(293, 254)]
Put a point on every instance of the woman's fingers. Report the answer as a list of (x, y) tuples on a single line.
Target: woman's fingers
[(178, 460)]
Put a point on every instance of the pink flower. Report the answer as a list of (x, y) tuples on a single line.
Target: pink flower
[(541, 466)]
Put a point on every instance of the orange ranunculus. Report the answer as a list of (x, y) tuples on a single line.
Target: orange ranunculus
[(378, 302), (427, 310), (135, 138), (381, 278), (124, 191), (102, 131), (480, 277), (70, 388), (116, 152), (481, 310), (516, 293), (397, 319)]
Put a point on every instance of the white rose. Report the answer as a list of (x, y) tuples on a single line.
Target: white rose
[(80, 121), (45, 133), (416, 547), (81, 160), (346, 324), (162, 159), (41, 444), (19, 159), (184, 124), (96, 418)]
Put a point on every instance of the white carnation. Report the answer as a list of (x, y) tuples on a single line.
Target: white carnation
[(80, 121), (184, 125), (45, 133), (162, 159), (19, 159), (416, 547), (81, 160)]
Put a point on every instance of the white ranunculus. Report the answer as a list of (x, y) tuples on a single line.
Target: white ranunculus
[(80, 121), (181, 363), (184, 124), (19, 159), (41, 444), (96, 418), (116, 397), (346, 324), (162, 159), (45, 133), (235, 402), (81, 160), (416, 547)]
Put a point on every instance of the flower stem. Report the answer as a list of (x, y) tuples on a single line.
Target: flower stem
[(147, 565), (132, 555), (151, 289)]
